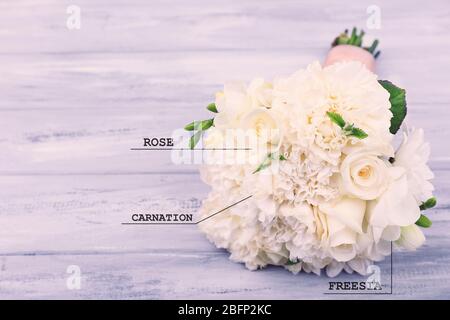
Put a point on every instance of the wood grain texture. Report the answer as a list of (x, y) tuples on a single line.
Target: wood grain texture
[(74, 102)]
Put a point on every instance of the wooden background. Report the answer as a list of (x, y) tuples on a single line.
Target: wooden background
[(73, 102)]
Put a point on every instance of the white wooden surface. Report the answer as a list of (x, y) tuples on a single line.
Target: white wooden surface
[(72, 103)]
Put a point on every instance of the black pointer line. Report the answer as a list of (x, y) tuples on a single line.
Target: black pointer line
[(169, 149), (167, 223), (224, 209)]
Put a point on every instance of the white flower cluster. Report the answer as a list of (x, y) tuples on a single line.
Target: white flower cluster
[(337, 200)]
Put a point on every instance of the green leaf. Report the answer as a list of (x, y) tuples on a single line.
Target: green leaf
[(430, 203), (268, 162), (336, 118), (355, 39), (291, 263), (352, 131), (265, 164), (212, 107), (423, 221), (359, 39), (353, 36), (206, 124), (372, 48), (190, 126), (200, 125), (358, 133), (349, 130), (195, 139), (397, 98), (341, 39)]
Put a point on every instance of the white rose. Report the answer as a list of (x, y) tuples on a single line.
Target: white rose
[(231, 104), (395, 208), (261, 93), (411, 237), (364, 175), (338, 225), (237, 100), (264, 125), (214, 138), (413, 155)]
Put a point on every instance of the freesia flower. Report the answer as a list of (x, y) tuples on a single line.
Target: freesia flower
[(395, 208), (411, 237)]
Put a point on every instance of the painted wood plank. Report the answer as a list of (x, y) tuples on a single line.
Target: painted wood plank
[(180, 80), (138, 25), (98, 141), (84, 213), (175, 275), (74, 213)]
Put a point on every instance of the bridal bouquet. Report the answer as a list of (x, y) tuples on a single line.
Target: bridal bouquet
[(330, 175)]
